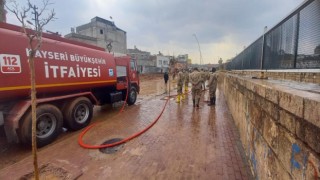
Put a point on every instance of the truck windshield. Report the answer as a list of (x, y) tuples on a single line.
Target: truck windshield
[(133, 65)]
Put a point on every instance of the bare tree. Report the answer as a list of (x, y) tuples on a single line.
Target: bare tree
[(172, 64), (32, 26)]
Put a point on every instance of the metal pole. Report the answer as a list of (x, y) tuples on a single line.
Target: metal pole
[(296, 43), (195, 36), (262, 75), (262, 53)]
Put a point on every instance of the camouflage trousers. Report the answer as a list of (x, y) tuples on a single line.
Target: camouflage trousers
[(179, 88), (212, 91), (196, 94)]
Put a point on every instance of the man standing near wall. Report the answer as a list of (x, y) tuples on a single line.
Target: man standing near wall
[(212, 84), (196, 81)]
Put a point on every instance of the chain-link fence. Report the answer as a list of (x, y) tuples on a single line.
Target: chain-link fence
[(292, 43)]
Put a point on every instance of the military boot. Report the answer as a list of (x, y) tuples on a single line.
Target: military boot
[(214, 100), (194, 102), (178, 98), (210, 103)]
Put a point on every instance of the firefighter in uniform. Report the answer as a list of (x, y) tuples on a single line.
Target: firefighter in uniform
[(186, 81), (180, 80), (212, 84), (196, 81)]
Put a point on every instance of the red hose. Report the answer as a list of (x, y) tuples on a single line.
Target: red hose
[(88, 146)]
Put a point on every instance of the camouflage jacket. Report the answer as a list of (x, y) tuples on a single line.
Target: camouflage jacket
[(186, 77), (213, 80), (180, 78), (195, 79)]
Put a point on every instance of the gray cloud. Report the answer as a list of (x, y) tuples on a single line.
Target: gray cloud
[(168, 25)]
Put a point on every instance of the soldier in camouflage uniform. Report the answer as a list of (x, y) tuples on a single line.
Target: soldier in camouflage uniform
[(180, 80), (186, 81), (196, 81), (204, 78), (212, 84)]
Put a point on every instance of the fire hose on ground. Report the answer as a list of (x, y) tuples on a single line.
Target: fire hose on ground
[(88, 146)]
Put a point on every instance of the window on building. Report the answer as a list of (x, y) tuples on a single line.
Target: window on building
[(160, 62), (101, 31)]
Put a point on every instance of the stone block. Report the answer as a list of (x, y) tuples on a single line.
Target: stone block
[(245, 127), (291, 103), (258, 100), (271, 109), (288, 121), (255, 116), (249, 85), (241, 89), (270, 132), (273, 169), (312, 111), (292, 154), (257, 157), (312, 167), (309, 133), (241, 81), (248, 137), (272, 95), (258, 89), (248, 94)]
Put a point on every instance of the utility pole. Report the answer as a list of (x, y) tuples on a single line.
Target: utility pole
[(195, 36)]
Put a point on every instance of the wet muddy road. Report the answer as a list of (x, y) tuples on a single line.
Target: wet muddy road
[(151, 86), (186, 143)]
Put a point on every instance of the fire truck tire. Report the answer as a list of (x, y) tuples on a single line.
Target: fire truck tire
[(49, 125), (132, 96), (78, 113)]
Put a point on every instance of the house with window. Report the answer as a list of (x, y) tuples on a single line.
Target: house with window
[(102, 33), (162, 62)]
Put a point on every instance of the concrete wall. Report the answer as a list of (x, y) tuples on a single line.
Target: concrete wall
[(279, 126)]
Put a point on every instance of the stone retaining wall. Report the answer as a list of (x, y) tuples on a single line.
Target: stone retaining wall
[(279, 126), (308, 77)]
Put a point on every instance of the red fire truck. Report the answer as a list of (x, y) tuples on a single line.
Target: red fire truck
[(71, 77)]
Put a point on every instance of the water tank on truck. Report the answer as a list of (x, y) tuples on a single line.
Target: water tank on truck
[(71, 77)]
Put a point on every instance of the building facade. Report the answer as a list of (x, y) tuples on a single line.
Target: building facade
[(162, 63), (182, 61), (144, 61), (182, 58), (101, 32)]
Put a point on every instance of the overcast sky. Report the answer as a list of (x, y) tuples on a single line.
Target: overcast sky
[(223, 27)]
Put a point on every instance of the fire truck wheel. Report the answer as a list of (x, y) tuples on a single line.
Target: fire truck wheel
[(78, 113), (132, 96), (48, 127)]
